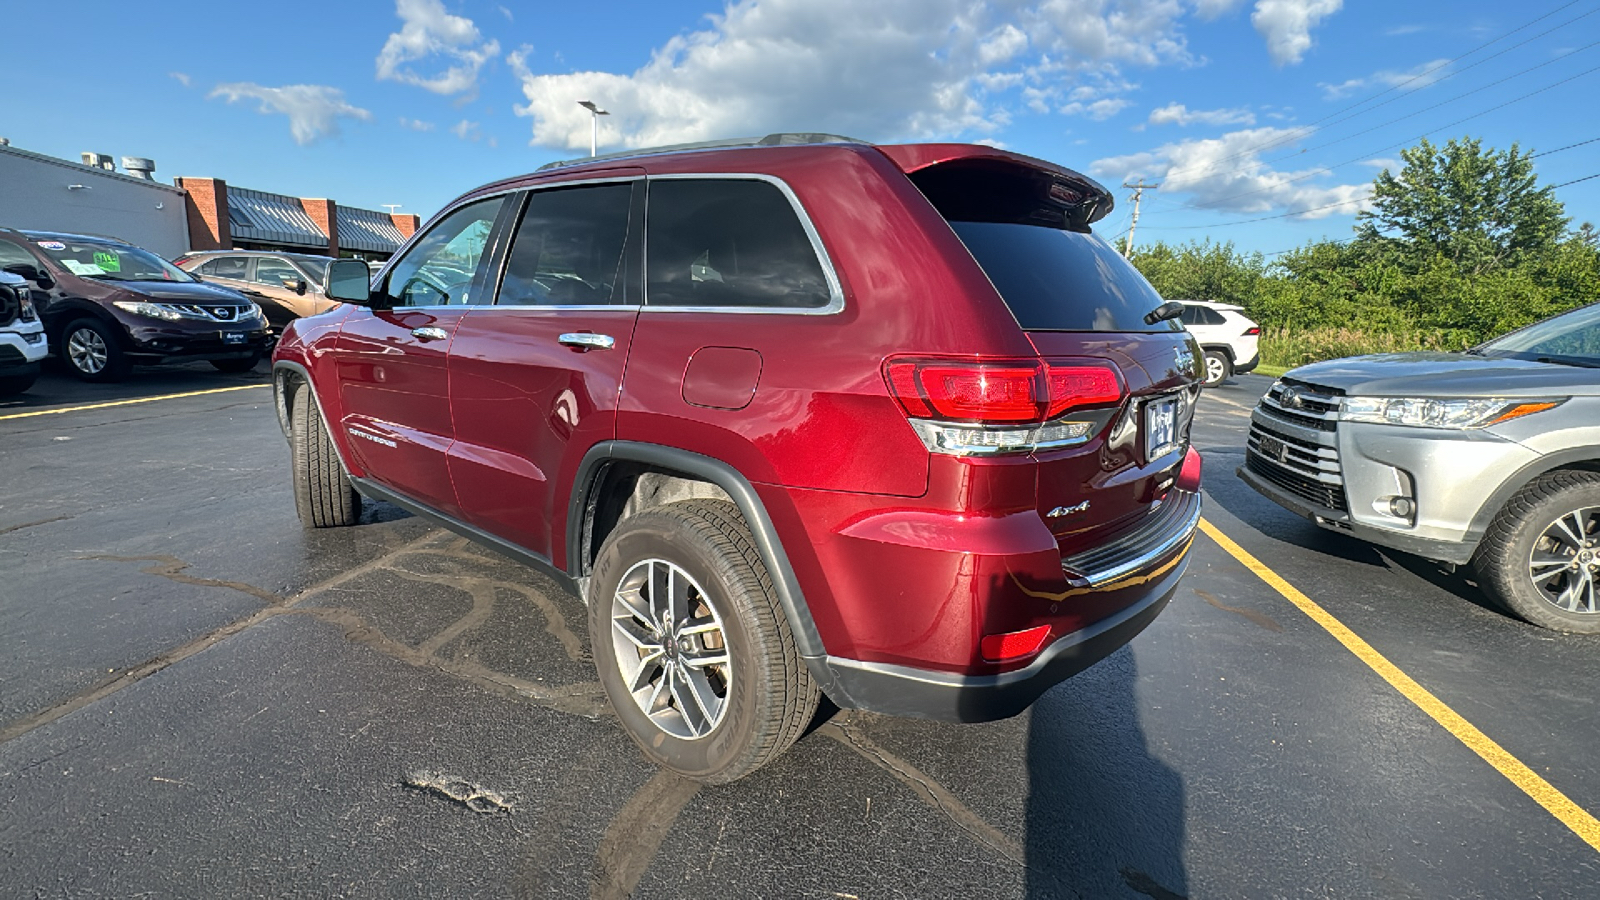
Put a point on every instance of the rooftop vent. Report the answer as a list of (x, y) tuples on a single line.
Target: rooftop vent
[(139, 167), (99, 161)]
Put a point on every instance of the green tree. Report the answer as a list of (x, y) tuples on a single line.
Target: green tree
[(1481, 210)]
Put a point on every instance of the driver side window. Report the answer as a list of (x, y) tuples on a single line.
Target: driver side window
[(438, 270)]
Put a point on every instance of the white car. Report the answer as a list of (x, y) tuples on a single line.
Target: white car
[(1230, 341), (22, 340)]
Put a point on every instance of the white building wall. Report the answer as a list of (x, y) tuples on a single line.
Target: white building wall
[(35, 193)]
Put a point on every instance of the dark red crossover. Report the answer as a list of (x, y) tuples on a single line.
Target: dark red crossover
[(795, 416)]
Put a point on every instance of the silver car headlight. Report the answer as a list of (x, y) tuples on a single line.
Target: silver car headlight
[(1434, 412)]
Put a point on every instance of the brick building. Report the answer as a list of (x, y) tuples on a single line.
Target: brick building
[(234, 218)]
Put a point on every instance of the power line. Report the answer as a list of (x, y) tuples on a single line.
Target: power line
[(1312, 126), (1324, 169), (1287, 215), (1573, 181), (1559, 149)]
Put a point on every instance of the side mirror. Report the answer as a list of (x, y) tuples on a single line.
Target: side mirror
[(295, 284), (32, 273), (349, 280)]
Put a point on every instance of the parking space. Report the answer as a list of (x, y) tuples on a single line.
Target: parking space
[(198, 697)]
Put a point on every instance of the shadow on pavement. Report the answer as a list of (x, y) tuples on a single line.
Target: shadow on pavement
[(1105, 818)]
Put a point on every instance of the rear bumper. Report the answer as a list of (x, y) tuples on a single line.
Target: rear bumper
[(923, 693), (1127, 582), (1249, 365)]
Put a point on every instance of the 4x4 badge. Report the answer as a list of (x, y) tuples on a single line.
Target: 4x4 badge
[(1060, 511)]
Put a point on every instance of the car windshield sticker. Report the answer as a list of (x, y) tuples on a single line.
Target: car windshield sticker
[(107, 261), (52, 245), (85, 269)]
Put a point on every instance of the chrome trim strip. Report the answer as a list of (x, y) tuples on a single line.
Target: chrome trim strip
[(1181, 535), (835, 290)]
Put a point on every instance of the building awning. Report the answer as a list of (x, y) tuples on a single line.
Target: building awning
[(368, 230), (272, 218)]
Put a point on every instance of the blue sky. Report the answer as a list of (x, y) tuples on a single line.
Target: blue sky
[(1273, 110)]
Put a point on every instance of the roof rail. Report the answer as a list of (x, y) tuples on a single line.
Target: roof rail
[(778, 139)]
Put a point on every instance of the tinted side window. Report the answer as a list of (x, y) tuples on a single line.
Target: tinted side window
[(1190, 315), (225, 267), (729, 243), (438, 269), (568, 248), (12, 255)]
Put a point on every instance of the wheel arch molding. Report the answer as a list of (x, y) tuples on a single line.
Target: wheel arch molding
[(581, 508), (1580, 458)]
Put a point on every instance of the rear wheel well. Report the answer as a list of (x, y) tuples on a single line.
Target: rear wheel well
[(1222, 348), (623, 488)]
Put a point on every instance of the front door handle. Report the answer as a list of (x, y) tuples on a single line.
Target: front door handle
[(584, 340), (429, 333)]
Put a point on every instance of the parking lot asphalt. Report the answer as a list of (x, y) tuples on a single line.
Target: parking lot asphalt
[(198, 698)]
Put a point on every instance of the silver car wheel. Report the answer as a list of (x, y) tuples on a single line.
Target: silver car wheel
[(1565, 562), (87, 351), (1216, 370), (670, 649)]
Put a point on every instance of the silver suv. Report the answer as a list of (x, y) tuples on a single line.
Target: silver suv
[(1489, 457)]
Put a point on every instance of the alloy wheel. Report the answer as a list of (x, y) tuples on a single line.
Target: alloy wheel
[(670, 649), (87, 351), (1565, 562), (1215, 370)]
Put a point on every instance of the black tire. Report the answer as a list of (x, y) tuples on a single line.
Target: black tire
[(12, 385), (1219, 368), (1517, 550), (92, 352), (236, 366), (769, 696), (323, 496)]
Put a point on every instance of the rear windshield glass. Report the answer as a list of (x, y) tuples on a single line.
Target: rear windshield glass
[(1056, 280)]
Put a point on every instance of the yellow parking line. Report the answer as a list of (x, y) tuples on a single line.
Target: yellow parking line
[(1556, 803), (67, 409)]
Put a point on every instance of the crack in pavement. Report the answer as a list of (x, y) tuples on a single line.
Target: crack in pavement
[(636, 832), (171, 568), (1262, 619), (929, 791), (10, 528)]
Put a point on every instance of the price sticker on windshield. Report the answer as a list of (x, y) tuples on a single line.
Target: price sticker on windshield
[(1160, 427)]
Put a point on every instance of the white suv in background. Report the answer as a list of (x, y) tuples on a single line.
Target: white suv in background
[(22, 341), (1229, 340)]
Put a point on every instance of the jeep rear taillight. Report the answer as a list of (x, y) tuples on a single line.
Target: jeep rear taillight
[(965, 407)]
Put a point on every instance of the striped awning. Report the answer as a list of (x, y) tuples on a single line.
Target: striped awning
[(366, 229), (271, 218)]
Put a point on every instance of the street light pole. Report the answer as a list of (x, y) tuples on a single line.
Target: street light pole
[(595, 113)]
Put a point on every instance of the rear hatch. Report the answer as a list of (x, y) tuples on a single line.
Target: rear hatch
[(1027, 225)]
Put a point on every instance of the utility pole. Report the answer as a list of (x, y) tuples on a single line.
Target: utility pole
[(1138, 193)]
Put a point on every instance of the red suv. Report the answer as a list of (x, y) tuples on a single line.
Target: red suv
[(796, 416)]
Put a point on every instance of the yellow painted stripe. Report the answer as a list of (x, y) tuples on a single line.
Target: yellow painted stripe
[(67, 409), (1570, 814)]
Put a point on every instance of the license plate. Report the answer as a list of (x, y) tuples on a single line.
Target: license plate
[(1271, 448), (233, 337), (1160, 427)]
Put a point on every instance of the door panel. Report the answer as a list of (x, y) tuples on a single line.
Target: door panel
[(526, 405), (392, 364)]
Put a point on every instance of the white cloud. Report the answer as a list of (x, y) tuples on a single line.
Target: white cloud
[(314, 110), (1411, 79), (180, 77), (429, 30), (467, 131), (1227, 174), (885, 70), (1178, 114), (1287, 24), (415, 125), (1402, 30)]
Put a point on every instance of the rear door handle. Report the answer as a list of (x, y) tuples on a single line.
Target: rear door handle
[(429, 333), (584, 340)]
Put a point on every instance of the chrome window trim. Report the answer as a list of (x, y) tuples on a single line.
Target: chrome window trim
[(835, 303), (505, 258)]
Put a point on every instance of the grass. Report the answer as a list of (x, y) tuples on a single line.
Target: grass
[(1283, 349)]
